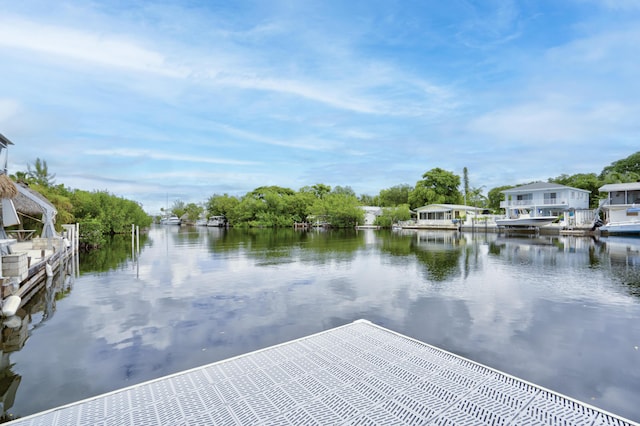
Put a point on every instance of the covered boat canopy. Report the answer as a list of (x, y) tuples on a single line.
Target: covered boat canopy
[(30, 203)]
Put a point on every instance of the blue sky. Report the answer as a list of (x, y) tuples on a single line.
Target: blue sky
[(183, 99)]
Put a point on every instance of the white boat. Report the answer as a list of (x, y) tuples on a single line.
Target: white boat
[(621, 208), (201, 222), (523, 219), (217, 221), (621, 228), (629, 226), (171, 220)]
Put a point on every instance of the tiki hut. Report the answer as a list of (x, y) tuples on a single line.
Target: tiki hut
[(29, 203), (18, 199)]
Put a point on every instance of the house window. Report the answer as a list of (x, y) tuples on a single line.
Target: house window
[(633, 197), (550, 198), (618, 197), (524, 199)]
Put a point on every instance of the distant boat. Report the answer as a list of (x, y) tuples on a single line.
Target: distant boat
[(217, 221), (201, 222), (171, 220)]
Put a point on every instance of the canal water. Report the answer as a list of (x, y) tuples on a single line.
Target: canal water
[(562, 312)]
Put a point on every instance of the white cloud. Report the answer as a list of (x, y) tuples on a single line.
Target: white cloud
[(155, 155), (298, 143), (84, 45), (358, 85)]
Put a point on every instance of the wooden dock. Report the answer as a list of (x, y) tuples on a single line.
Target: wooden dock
[(28, 262), (357, 374)]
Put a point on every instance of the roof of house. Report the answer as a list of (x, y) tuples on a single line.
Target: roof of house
[(629, 186), (447, 207), (541, 186)]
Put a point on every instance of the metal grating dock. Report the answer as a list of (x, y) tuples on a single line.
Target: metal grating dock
[(357, 374)]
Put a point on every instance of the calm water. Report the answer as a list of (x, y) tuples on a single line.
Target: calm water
[(562, 312)]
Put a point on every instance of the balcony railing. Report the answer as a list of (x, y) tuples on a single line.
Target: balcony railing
[(545, 202)]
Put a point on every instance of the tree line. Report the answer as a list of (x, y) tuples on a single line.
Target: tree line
[(99, 213), (276, 206)]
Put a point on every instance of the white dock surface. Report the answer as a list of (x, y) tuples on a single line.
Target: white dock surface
[(357, 374)]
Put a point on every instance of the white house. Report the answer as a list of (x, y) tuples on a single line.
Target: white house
[(547, 199), (370, 214), (443, 215), (622, 205)]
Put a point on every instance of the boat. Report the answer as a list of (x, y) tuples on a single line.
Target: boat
[(522, 218), (171, 220), (217, 221), (621, 209), (629, 226), (201, 222)]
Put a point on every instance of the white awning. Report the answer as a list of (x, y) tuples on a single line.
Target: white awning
[(613, 187)]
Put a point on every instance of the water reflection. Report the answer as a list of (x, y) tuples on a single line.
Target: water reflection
[(17, 329), (117, 251), (558, 311)]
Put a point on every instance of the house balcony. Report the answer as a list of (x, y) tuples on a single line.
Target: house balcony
[(533, 203)]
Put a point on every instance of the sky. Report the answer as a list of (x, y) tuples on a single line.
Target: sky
[(177, 100)]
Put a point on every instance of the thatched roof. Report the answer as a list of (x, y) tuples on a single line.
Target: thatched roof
[(4, 141), (27, 206), (7, 187)]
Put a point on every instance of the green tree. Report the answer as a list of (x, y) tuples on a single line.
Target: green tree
[(39, 173), (395, 196), (465, 181), (178, 208), (266, 206), (299, 205), (391, 215), (193, 211), (437, 186), (495, 196), (476, 198), (106, 212), (588, 181), (339, 209), (629, 166), (221, 205), (320, 189), (20, 177), (620, 177), (368, 200), (346, 190)]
